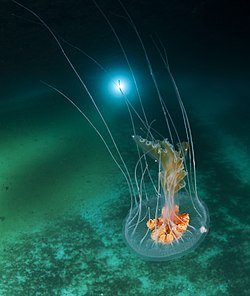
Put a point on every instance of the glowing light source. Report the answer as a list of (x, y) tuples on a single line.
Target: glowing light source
[(119, 85)]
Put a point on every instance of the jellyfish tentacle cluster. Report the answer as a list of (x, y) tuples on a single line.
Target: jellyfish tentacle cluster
[(166, 230), (172, 224)]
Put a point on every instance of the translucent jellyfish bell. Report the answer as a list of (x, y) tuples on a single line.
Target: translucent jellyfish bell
[(172, 221)]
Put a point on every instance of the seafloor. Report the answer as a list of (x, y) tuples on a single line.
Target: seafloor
[(63, 200)]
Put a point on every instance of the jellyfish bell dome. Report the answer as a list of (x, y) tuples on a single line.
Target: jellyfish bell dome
[(138, 237)]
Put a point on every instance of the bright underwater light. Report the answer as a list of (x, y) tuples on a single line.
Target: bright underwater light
[(119, 85)]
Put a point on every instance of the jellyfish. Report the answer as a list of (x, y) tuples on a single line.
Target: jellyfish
[(173, 221), (166, 219)]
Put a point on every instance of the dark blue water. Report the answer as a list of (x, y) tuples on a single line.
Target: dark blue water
[(63, 200)]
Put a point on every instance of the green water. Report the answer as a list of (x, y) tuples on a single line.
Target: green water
[(63, 200)]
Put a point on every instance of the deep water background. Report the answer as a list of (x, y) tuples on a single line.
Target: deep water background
[(63, 200)]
